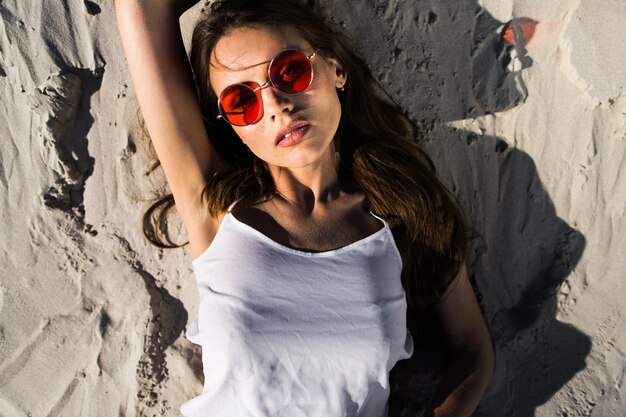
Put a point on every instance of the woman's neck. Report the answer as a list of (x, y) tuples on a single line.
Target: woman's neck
[(309, 186)]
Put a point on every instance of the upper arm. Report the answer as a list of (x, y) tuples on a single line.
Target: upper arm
[(163, 82), (461, 319)]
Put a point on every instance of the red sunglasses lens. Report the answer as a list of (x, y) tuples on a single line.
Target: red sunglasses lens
[(240, 105), (291, 72)]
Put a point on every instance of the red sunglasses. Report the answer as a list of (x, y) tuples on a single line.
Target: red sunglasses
[(290, 72)]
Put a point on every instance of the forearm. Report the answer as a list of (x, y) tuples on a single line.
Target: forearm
[(462, 385), (166, 93)]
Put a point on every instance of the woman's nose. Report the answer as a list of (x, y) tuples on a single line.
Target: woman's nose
[(276, 103)]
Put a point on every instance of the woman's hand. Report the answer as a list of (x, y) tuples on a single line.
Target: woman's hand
[(470, 360)]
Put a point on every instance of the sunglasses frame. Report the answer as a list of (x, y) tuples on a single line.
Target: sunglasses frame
[(257, 90)]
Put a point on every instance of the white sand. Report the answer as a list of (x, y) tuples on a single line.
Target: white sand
[(532, 139)]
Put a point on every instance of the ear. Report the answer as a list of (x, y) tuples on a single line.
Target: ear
[(341, 75)]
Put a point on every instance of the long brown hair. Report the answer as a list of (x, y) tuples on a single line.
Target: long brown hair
[(377, 144)]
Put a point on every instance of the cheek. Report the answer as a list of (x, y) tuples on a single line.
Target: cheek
[(329, 104), (244, 134), (251, 137), (327, 95), (245, 138)]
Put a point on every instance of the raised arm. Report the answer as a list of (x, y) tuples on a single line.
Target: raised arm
[(470, 358), (162, 78)]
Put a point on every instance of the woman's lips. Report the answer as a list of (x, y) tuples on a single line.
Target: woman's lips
[(292, 133)]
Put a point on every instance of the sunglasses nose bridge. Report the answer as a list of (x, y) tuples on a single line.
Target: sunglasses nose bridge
[(262, 86), (274, 88)]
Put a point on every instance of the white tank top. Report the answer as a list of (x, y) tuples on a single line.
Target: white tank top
[(288, 333)]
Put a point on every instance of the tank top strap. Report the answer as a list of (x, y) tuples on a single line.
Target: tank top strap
[(379, 218), (230, 208)]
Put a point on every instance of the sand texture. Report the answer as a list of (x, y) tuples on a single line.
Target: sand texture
[(523, 108)]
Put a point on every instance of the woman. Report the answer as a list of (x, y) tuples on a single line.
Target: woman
[(313, 217)]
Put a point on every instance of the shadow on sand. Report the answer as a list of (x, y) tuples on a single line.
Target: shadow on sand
[(518, 264), (524, 253)]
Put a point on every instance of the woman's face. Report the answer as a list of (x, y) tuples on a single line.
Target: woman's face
[(313, 116)]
